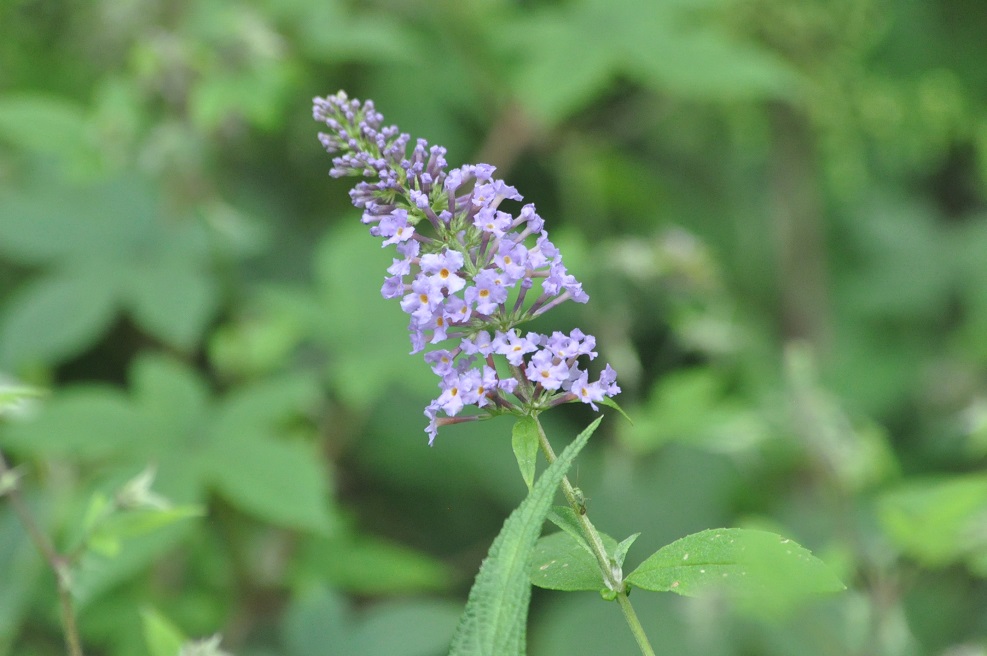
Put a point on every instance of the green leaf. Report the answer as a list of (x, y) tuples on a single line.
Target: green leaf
[(170, 392), (95, 573), (661, 45), (101, 226), (705, 64), (318, 622), (105, 525), (348, 309), (937, 521), (693, 406), (607, 401), (173, 301), (369, 565), (55, 317), (268, 403), (116, 249), (559, 562), (12, 395), (133, 523), (163, 638), (620, 553), (412, 627), (256, 343), (315, 618), (496, 611), (98, 509), (565, 518), (279, 481), (24, 574), (524, 441), (759, 567), (50, 125), (333, 32), (82, 423)]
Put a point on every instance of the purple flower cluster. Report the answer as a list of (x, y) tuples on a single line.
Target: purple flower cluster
[(469, 281)]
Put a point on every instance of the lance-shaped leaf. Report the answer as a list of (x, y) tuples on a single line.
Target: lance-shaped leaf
[(524, 440), (763, 568), (620, 552), (494, 621)]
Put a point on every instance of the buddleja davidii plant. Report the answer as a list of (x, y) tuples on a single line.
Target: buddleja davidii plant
[(469, 274)]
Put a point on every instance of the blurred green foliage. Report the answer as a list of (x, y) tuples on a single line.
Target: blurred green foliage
[(778, 209)]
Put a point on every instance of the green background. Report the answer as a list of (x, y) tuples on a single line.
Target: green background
[(779, 210)]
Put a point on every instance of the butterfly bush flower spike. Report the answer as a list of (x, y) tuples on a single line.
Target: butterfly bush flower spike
[(466, 272)]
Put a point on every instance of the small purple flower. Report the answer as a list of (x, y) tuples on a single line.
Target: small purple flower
[(395, 227), (438, 327), (514, 347), (442, 269), (608, 379), (546, 371), (432, 430), (562, 346), (478, 344), (487, 385), (458, 391), (543, 253), (400, 268), (456, 311), (507, 385), (424, 298), (393, 287), (409, 249), (588, 392), (493, 221), (487, 292), (420, 199), (511, 258), (441, 361)]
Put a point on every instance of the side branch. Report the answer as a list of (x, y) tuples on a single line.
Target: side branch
[(58, 563)]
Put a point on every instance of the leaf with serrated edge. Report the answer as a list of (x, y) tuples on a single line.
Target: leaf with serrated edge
[(494, 621)]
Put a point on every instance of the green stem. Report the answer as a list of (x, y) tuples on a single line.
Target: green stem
[(57, 563), (613, 577), (635, 624)]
